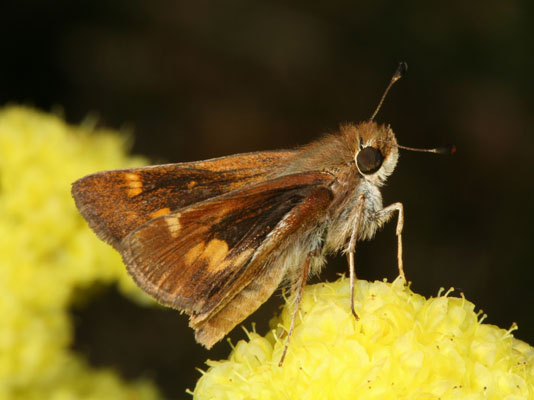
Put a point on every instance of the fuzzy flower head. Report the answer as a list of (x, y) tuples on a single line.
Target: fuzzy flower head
[(402, 347), (47, 252)]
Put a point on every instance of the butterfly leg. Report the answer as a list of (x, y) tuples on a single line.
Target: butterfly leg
[(351, 251), (385, 215), (298, 297)]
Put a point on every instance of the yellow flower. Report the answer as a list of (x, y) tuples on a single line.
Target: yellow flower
[(47, 251), (402, 347)]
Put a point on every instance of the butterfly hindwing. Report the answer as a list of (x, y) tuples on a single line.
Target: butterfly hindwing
[(200, 257), (277, 258)]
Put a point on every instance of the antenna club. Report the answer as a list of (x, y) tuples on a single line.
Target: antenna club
[(447, 150), (401, 70)]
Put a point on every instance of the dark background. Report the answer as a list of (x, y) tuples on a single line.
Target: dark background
[(203, 79)]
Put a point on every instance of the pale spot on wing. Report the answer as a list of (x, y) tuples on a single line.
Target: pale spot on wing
[(134, 192), (242, 257), (173, 224), (160, 212), (214, 255), (191, 185), (133, 183), (215, 252), (194, 253)]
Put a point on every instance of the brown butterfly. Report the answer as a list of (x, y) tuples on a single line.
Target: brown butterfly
[(216, 238)]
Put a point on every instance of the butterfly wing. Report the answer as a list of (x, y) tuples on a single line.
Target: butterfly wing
[(116, 202), (214, 259)]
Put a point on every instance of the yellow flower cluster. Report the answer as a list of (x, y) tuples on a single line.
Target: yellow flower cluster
[(47, 251), (402, 347)]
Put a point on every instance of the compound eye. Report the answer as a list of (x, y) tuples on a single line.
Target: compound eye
[(369, 160)]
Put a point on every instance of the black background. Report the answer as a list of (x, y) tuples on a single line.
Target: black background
[(203, 79)]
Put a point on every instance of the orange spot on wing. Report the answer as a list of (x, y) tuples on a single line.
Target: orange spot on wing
[(243, 257), (133, 183), (194, 253), (215, 252), (160, 212), (191, 185), (134, 192)]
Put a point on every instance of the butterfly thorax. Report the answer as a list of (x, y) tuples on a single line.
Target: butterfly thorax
[(336, 154)]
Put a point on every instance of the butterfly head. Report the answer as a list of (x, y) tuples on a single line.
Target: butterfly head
[(376, 152)]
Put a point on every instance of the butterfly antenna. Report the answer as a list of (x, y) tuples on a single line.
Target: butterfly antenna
[(399, 73), (445, 150)]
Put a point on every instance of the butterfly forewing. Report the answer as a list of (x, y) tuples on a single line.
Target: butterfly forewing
[(116, 202)]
